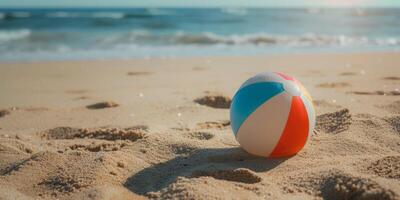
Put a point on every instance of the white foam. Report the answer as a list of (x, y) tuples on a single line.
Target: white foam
[(114, 15), (10, 35), (62, 14), (234, 11), (158, 11)]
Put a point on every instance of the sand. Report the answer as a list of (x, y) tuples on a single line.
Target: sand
[(159, 129)]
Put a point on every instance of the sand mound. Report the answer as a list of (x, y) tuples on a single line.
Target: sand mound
[(347, 187), (213, 125), (111, 134), (334, 85), (138, 73), (215, 101), (242, 175), (335, 122), (101, 105), (106, 192), (388, 167), (56, 175), (201, 135), (392, 78), (206, 188), (16, 146), (4, 113), (62, 133)]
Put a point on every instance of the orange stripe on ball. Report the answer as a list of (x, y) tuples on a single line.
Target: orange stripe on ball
[(295, 134)]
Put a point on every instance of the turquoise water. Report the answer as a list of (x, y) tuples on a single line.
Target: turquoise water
[(59, 34)]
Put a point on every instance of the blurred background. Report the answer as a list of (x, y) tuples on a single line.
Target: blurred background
[(121, 29)]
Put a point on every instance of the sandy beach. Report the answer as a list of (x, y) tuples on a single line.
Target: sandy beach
[(159, 128)]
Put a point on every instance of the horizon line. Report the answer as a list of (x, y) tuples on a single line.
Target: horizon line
[(199, 7)]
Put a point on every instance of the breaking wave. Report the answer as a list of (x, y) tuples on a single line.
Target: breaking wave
[(114, 15), (182, 38), (12, 35)]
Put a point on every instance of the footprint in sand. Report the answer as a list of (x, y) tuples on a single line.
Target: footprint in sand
[(198, 68), (111, 134), (334, 85), (379, 92), (4, 113), (335, 122), (388, 167), (63, 184), (201, 135), (392, 78), (139, 73), (394, 122), (347, 74), (214, 101), (101, 105), (341, 186), (97, 147), (241, 175), (213, 125), (182, 149)]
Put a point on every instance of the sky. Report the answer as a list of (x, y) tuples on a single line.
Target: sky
[(199, 3)]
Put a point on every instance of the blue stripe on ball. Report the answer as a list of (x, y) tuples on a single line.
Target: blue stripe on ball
[(249, 98)]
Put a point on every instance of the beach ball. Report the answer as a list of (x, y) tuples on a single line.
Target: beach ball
[(272, 115)]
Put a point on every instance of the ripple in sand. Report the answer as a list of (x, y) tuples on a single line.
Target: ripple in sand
[(198, 68), (139, 73), (213, 125), (214, 101), (101, 105), (347, 187), (77, 91), (388, 167), (379, 92), (111, 134), (334, 85), (4, 113), (242, 175), (335, 122)]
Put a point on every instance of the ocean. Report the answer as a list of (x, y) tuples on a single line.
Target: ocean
[(75, 34)]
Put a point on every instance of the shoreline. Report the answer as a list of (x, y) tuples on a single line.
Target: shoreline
[(170, 57)]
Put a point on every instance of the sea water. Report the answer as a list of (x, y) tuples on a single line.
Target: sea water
[(71, 34)]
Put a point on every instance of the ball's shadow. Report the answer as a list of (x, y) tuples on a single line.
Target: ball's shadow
[(159, 176)]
